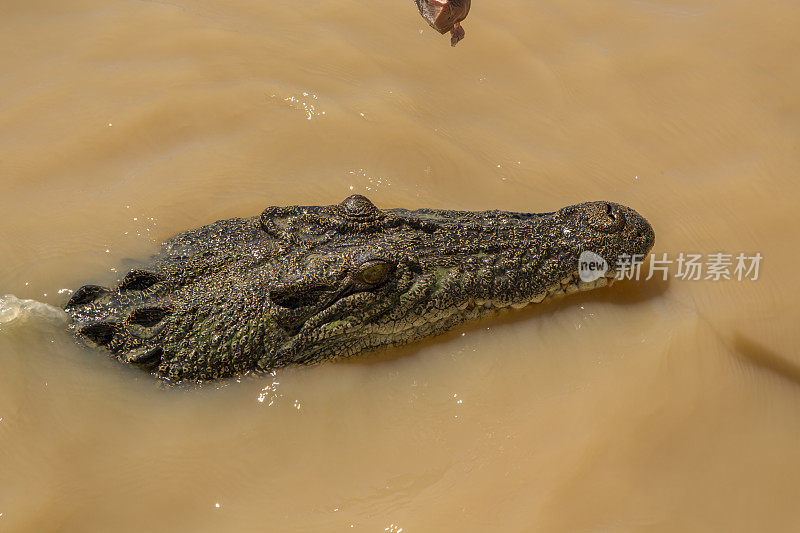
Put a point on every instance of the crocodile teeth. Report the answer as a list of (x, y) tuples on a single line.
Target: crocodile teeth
[(568, 285)]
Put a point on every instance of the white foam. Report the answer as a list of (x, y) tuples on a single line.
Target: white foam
[(15, 310)]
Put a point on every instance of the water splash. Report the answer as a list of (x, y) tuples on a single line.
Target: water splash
[(16, 311)]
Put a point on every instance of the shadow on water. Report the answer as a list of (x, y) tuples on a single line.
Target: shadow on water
[(762, 357)]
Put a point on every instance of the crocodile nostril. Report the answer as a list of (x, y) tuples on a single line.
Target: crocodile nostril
[(139, 280), (148, 316), (606, 217), (86, 294), (100, 332)]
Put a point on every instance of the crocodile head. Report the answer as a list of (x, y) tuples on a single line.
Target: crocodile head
[(305, 284)]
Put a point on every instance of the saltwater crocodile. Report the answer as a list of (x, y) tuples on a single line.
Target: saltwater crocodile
[(305, 284)]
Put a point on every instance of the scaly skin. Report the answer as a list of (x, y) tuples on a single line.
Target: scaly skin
[(306, 284)]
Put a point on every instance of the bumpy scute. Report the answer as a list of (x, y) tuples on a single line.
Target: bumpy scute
[(303, 284)]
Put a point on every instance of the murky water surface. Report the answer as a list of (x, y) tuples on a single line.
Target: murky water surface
[(654, 406)]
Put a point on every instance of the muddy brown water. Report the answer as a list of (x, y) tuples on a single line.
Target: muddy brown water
[(650, 406)]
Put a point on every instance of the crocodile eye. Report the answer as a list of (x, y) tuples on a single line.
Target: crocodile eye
[(374, 272)]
